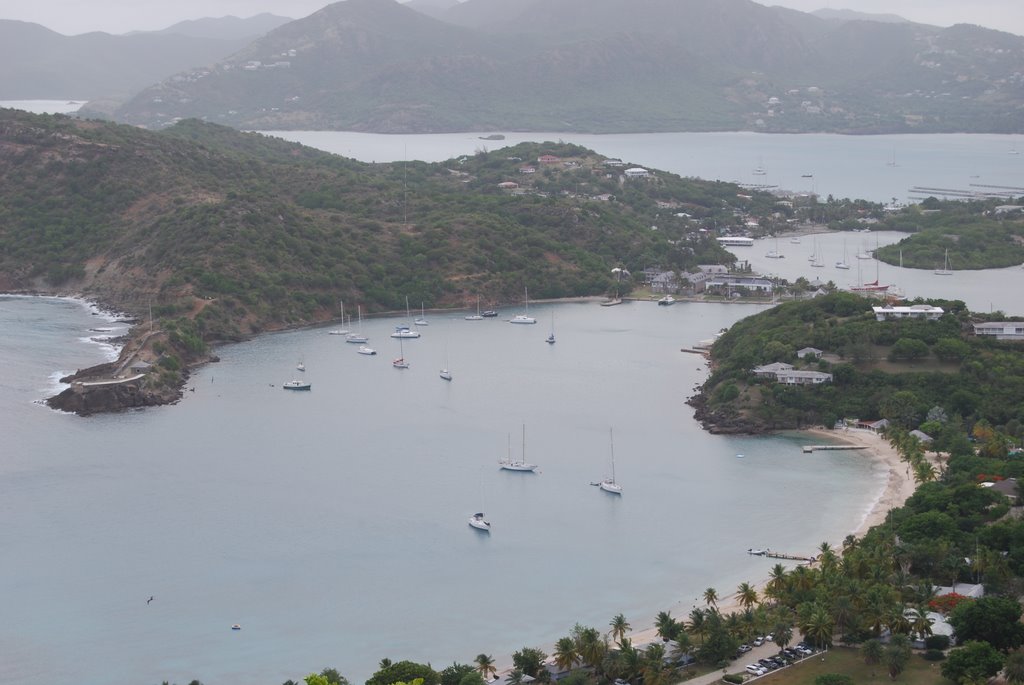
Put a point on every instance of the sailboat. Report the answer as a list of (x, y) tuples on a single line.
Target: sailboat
[(525, 317), (477, 520), (399, 362), (871, 287), (775, 254), (445, 373), (357, 338), (945, 270), (420, 321), (402, 330), (892, 160), (550, 340), (816, 257), (300, 366), (510, 464), (609, 484), (342, 330), (843, 264), (477, 316)]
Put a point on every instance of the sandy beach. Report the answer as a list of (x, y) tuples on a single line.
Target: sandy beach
[(899, 487)]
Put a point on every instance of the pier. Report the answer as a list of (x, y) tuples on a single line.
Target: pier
[(780, 555), (814, 448)]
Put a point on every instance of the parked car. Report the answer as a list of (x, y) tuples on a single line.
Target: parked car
[(755, 669), (758, 641), (745, 648)]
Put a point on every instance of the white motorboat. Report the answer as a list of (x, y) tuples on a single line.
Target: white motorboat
[(521, 465), (296, 385), (300, 366), (666, 301), (363, 349), (478, 521)]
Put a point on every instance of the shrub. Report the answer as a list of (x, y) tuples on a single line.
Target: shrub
[(733, 678), (934, 655), (939, 642)]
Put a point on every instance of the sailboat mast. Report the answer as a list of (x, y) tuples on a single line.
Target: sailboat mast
[(611, 443)]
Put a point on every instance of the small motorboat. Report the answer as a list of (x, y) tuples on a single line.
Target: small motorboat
[(296, 385), (235, 626), (363, 349)]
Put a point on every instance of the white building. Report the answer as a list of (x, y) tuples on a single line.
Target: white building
[(1001, 330), (795, 377), (637, 172)]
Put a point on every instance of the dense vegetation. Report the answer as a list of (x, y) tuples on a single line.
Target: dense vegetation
[(897, 370), (974, 235), (241, 232)]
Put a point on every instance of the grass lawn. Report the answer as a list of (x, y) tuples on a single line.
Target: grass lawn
[(848, 662)]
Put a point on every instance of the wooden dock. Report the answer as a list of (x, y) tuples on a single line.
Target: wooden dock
[(814, 448), (780, 555)]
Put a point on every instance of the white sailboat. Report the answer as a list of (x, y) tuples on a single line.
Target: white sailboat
[(510, 464), (525, 317), (816, 257), (402, 330), (945, 270), (842, 264), (342, 330), (399, 362), (477, 316), (357, 338), (550, 340), (775, 254), (300, 366), (422, 321), (478, 520), (609, 484), (445, 373)]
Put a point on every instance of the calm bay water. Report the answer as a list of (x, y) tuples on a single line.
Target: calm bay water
[(843, 166), (332, 524)]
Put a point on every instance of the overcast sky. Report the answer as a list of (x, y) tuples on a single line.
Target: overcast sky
[(72, 17)]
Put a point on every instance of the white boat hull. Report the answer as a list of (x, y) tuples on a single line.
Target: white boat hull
[(517, 466), (611, 487), (522, 318), (477, 521)]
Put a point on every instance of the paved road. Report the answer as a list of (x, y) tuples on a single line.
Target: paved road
[(765, 650)]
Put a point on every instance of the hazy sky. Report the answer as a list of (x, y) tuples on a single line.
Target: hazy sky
[(71, 17)]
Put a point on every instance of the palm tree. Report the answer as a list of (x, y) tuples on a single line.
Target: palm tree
[(566, 654), (682, 646), (711, 597), (897, 654), (620, 626), (591, 646), (666, 625), (654, 671), (697, 625), (818, 626), (1013, 669), (747, 595), (485, 665), (872, 651), (782, 635), (777, 582)]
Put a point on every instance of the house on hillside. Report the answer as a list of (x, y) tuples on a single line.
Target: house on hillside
[(1000, 330), (771, 370), (805, 352), (797, 377), (922, 437), (548, 159), (637, 172), (1007, 487), (874, 426)]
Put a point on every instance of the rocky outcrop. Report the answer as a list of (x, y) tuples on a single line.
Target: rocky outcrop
[(84, 399), (725, 420)]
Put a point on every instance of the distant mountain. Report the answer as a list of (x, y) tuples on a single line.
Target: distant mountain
[(853, 15), (601, 65), (228, 28), (432, 8), (36, 62)]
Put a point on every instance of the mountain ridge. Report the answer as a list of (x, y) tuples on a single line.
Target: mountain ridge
[(569, 65)]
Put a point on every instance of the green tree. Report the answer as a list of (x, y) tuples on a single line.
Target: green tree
[(974, 662), (566, 654), (454, 674), (994, 620), (404, 672), (897, 655), (746, 595), (620, 626), (1013, 669), (485, 666), (872, 651), (529, 660), (667, 626), (711, 597)]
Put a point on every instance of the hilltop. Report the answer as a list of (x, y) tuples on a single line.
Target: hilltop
[(600, 66), (893, 369), (223, 234)]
